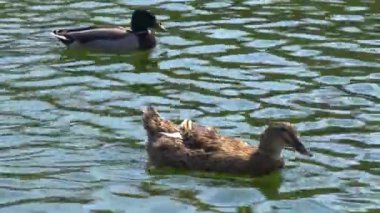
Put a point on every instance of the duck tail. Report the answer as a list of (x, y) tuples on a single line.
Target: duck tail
[(150, 117), (154, 124)]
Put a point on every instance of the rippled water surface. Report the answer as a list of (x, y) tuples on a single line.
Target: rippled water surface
[(70, 124)]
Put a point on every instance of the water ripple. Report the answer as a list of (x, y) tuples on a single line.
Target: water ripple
[(70, 123)]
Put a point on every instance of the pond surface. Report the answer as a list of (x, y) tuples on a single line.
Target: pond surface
[(70, 124)]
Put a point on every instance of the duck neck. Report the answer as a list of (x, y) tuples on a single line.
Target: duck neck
[(271, 148), (146, 31)]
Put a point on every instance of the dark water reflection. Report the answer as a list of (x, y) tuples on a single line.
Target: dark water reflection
[(70, 129)]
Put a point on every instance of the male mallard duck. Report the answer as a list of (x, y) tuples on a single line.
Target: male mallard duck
[(113, 39), (196, 147)]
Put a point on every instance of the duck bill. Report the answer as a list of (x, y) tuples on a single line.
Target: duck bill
[(300, 148), (160, 26), (294, 143)]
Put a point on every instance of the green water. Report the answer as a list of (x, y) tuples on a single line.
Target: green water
[(70, 124)]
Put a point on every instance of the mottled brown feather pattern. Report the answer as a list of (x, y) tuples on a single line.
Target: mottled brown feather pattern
[(171, 152), (209, 139)]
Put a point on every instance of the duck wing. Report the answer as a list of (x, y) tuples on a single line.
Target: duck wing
[(88, 34), (196, 136), (236, 145)]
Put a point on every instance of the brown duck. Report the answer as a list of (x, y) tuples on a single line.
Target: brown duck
[(196, 147)]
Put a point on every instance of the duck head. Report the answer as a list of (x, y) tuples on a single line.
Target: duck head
[(281, 135), (143, 20)]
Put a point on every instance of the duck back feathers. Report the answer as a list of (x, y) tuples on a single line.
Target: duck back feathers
[(88, 34)]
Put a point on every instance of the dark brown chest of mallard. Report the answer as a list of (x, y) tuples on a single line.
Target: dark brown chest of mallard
[(147, 40)]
